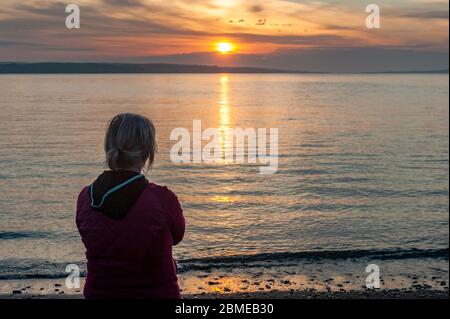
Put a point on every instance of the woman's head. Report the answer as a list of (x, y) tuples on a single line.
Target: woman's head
[(130, 142)]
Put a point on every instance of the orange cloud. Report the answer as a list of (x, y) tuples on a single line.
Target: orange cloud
[(159, 27)]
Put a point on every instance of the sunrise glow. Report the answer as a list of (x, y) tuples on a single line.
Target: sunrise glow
[(224, 47), (293, 35)]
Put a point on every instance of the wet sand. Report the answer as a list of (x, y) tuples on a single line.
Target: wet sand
[(279, 283), (312, 294)]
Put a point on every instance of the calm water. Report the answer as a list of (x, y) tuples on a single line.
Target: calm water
[(363, 162)]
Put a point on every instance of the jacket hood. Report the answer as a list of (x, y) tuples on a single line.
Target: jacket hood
[(114, 192)]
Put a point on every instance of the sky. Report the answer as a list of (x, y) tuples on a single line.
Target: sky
[(309, 35)]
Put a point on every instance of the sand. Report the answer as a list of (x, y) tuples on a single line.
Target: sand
[(281, 284), (306, 294)]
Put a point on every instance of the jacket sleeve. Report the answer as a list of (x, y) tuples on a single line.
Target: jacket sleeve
[(79, 204), (176, 218)]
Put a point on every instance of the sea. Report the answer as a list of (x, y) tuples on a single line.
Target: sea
[(362, 167)]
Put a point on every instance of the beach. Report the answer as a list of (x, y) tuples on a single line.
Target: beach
[(325, 279), (419, 292)]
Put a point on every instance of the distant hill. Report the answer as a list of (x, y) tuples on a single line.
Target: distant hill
[(91, 68), (412, 72), (124, 68)]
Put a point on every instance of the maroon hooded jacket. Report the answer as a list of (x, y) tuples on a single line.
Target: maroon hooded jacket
[(128, 227)]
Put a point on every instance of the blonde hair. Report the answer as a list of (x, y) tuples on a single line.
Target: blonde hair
[(130, 142)]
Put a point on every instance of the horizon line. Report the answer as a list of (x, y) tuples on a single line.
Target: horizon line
[(19, 67)]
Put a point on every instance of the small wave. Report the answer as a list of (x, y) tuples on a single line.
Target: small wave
[(333, 255), (19, 235), (13, 269)]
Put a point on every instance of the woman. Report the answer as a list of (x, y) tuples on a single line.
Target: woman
[(127, 224)]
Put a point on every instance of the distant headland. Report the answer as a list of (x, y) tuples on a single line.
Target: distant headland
[(148, 68), (93, 68)]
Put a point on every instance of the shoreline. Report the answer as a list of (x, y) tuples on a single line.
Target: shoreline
[(339, 279), (414, 279)]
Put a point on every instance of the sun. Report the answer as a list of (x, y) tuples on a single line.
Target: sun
[(224, 47)]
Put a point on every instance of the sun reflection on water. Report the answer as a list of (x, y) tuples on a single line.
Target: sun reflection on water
[(223, 199), (224, 116)]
